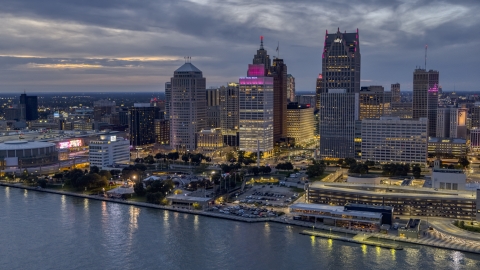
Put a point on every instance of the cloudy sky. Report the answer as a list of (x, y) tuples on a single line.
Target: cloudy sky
[(132, 45)]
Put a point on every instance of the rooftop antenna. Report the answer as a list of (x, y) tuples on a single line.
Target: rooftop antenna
[(426, 48), (261, 42), (278, 50)]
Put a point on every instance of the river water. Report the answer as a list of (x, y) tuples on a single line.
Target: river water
[(47, 231)]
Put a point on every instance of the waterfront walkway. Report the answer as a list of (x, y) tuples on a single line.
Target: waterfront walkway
[(439, 239)]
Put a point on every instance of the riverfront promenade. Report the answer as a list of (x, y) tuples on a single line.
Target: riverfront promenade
[(433, 240)]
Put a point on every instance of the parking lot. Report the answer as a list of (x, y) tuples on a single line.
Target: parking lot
[(268, 195)]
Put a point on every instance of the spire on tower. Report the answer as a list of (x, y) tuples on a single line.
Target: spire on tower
[(261, 42)]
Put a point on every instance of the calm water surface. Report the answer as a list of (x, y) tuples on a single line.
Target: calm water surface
[(47, 231)]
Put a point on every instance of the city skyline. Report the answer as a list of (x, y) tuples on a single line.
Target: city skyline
[(92, 46)]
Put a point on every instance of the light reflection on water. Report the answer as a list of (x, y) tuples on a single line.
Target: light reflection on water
[(99, 235)]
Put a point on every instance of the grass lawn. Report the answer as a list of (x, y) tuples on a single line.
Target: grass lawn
[(297, 190), (64, 188)]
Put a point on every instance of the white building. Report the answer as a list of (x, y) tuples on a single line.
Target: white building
[(187, 107), (109, 150), (256, 110), (391, 139), (448, 179)]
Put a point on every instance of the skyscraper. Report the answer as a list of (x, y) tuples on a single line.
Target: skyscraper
[(188, 107), (229, 113), (168, 99), (425, 97), (372, 102), (30, 105), (262, 57), (141, 124), (338, 97), (279, 72), (290, 88), (103, 107), (256, 110), (395, 90)]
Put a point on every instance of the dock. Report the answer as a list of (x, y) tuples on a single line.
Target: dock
[(358, 239)]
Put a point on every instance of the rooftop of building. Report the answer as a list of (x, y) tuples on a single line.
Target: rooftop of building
[(340, 210), (23, 144), (395, 192), (188, 67), (447, 140)]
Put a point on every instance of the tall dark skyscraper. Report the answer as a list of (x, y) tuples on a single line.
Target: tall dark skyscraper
[(279, 74), (338, 98), (30, 105), (262, 57), (425, 97), (142, 124)]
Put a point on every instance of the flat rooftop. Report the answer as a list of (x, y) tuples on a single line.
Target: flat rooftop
[(339, 210), (395, 191)]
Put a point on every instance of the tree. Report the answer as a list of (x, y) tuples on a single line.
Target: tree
[(316, 169), (350, 161), (139, 189), (94, 169), (229, 156), (416, 171), (358, 168), (42, 183), (463, 161), (159, 156), (106, 174), (149, 159), (140, 167), (185, 158), (173, 156)]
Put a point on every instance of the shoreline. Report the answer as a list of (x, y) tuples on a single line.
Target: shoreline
[(280, 220)]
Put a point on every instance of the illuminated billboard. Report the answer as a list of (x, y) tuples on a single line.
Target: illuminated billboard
[(70, 144)]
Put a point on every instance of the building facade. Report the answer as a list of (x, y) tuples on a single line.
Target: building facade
[(338, 97), (162, 131), (30, 105), (395, 90), (391, 139), (372, 102), (209, 140), (188, 107), (300, 123), (108, 151), (279, 72), (447, 147), (425, 97), (103, 107), (256, 110), (337, 114), (141, 124), (290, 88)]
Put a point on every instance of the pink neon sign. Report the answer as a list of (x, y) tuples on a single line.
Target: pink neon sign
[(256, 81), (433, 89)]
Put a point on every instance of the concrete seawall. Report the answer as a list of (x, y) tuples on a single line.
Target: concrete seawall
[(351, 240), (140, 204)]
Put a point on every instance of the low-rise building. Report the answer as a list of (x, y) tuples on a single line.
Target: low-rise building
[(448, 147), (209, 140), (108, 151), (391, 139), (337, 216), (448, 179)]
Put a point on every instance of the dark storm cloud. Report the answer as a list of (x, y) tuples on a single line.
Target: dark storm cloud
[(86, 44)]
